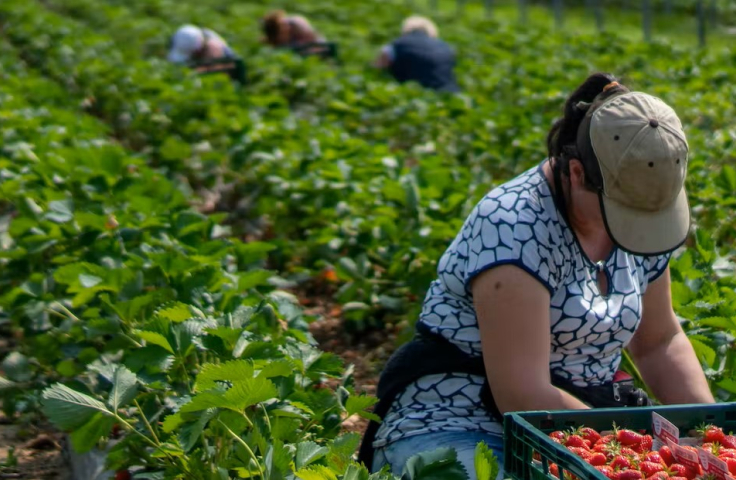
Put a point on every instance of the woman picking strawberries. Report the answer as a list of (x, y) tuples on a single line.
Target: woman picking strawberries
[(551, 276)]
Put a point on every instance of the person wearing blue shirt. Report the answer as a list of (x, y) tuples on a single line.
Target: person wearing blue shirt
[(420, 56)]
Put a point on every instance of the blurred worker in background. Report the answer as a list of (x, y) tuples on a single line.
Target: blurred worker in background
[(191, 45), (420, 56), (290, 31)]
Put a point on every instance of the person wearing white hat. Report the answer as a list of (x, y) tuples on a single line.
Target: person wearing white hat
[(191, 44), (552, 275)]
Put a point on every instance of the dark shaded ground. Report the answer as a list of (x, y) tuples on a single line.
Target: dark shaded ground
[(36, 450), (367, 351)]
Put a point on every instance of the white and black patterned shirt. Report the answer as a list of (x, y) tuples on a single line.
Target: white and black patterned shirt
[(518, 224)]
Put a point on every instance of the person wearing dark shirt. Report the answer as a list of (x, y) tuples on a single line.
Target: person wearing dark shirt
[(420, 56)]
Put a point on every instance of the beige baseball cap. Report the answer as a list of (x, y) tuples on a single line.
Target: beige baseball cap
[(642, 151)]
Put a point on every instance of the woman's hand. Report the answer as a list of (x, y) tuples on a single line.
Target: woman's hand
[(662, 352), (513, 316)]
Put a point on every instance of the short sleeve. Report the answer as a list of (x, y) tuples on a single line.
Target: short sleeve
[(506, 231), (656, 266)]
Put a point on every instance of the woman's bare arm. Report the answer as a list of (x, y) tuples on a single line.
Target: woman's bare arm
[(513, 316), (662, 352)]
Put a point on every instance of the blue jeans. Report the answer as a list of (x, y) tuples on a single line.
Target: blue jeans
[(397, 453)]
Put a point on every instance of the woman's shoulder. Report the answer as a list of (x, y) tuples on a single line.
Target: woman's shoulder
[(524, 199), (515, 223)]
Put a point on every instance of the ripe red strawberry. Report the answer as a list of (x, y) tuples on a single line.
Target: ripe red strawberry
[(600, 448), (605, 440), (597, 459), (122, 475), (575, 441), (683, 471), (554, 470), (731, 462), (666, 455), (559, 435), (677, 477), (607, 471), (629, 452), (590, 434), (628, 437), (650, 468), (654, 457), (729, 441), (582, 452), (646, 444), (659, 476), (620, 462), (726, 452), (711, 434), (628, 475)]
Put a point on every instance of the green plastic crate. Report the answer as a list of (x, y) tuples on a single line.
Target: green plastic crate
[(527, 432)]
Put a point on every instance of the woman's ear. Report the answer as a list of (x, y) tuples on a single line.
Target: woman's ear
[(577, 173)]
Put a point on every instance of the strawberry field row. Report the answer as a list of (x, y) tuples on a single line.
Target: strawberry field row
[(128, 186)]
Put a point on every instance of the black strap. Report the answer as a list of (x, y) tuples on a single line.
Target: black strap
[(559, 193)]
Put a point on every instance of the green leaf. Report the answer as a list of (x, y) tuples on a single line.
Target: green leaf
[(88, 281), (174, 148), (203, 401), (279, 368), (717, 322), (67, 368), (6, 384), (249, 392), (704, 352), (342, 449), (232, 371), (17, 367), (439, 464), (253, 278), (176, 312), (167, 450), (729, 385), (356, 472), (172, 422), (60, 211), (358, 404), (252, 252), (86, 437), (278, 460), (191, 432), (309, 452), (69, 409), (155, 339), (124, 388), (317, 472), (243, 394), (285, 429), (486, 463)]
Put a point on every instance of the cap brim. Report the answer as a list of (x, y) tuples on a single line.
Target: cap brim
[(176, 56), (647, 233)]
